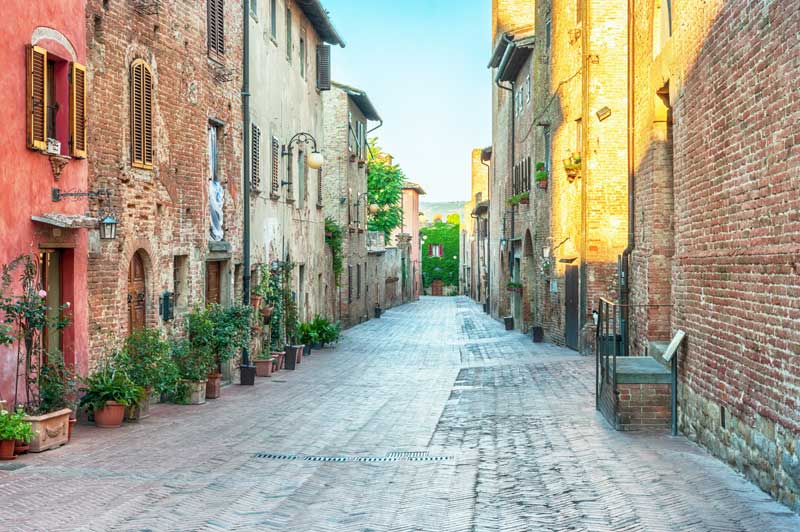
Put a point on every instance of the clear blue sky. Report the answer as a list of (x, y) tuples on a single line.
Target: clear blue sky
[(423, 64)]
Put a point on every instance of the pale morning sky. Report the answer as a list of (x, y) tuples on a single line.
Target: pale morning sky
[(423, 64)]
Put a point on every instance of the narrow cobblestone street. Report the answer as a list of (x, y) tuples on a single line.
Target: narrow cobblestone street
[(512, 438)]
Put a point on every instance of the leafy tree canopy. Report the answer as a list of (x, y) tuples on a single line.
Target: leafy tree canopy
[(385, 189)]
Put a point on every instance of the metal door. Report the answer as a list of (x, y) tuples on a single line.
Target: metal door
[(572, 304)]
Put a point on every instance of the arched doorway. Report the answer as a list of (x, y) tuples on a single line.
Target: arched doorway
[(528, 282), (137, 298)]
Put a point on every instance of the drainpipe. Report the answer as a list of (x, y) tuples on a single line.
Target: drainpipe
[(478, 250), (626, 254), (488, 255), (584, 290), (247, 170)]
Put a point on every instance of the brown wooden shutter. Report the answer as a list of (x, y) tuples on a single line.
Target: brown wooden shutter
[(36, 89), (255, 167), (276, 159), (319, 187), (324, 67), (216, 25), (77, 111), (141, 115)]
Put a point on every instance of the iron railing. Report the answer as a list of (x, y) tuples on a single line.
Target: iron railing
[(608, 346)]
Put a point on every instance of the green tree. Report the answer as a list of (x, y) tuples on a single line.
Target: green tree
[(385, 189)]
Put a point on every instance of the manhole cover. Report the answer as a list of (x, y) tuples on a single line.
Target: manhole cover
[(399, 456)]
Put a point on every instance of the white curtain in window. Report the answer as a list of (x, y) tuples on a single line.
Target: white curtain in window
[(216, 199)]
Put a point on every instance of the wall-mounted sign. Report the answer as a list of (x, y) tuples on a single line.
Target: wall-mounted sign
[(672, 348)]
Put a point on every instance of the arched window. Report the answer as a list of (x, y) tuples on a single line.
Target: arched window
[(141, 115)]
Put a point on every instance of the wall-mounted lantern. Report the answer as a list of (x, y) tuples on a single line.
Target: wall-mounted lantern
[(108, 227), (314, 159)]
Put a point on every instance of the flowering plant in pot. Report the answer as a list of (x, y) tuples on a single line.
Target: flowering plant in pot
[(49, 388), (108, 391), (146, 358), (13, 428)]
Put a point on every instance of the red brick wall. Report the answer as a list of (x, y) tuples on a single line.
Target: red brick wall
[(643, 406), (164, 211)]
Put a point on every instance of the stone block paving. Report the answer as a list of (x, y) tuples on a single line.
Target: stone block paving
[(517, 444)]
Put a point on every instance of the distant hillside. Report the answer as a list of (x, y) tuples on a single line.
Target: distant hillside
[(441, 207)]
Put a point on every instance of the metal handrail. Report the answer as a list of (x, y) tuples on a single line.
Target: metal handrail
[(608, 336)]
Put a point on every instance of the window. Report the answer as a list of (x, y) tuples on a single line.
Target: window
[(528, 173), (180, 280), (528, 89), (323, 67), (669, 16), (53, 84), (254, 7), (213, 152), (216, 27), (303, 54), (349, 283), (358, 281), (301, 178), (435, 250), (273, 18), (141, 115), (255, 158), (289, 178), (547, 149), (547, 35), (350, 133), (288, 34), (276, 160)]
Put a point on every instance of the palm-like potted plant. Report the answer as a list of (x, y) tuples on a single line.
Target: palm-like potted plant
[(13, 428), (108, 391)]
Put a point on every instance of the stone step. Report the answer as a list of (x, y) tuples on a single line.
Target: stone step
[(641, 370)]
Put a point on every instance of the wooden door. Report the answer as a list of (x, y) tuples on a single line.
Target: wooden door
[(50, 281), (572, 302), (213, 282), (436, 287), (137, 316)]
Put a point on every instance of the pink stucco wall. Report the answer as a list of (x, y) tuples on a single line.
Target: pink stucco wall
[(26, 176)]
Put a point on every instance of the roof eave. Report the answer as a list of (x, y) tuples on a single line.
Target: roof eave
[(319, 18)]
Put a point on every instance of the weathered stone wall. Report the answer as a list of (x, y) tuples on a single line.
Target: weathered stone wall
[(730, 238), (162, 212)]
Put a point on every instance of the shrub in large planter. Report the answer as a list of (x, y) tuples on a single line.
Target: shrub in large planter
[(195, 392), (50, 411), (194, 356), (50, 430), (108, 391), (13, 428), (146, 358), (230, 333)]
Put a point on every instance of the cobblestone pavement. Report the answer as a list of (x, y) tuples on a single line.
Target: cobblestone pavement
[(512, 438)]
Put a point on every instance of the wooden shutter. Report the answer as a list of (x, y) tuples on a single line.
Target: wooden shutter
[(319, 187), (36, 89), (255, 168), (141, 115), (216, 26), (276, 158), (77, 110), (324, 67)]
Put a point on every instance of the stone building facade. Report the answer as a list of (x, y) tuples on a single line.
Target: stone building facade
[(473, 260), (347, 113), (717, 194), (290, 66), (407, 236), (165, 138), (555, 65)]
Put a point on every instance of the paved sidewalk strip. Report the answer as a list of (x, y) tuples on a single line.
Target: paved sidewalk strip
[(431, 418)]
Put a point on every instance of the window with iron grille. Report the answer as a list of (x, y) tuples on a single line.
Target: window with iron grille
[(141, 115), (216, 26), (255, 158), (275, 170), (303, 53)]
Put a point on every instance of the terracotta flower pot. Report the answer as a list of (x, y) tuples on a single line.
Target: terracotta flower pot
[(542, 184), (299, 352), (214, 386), (266, 311), (524, 201), (72, 422), (7, 449), (21, 447), (255, 301), (263, 368), (110, 416), (281, 359)]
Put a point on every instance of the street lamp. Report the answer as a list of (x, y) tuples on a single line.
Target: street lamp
[(315, 160), (108, 227)]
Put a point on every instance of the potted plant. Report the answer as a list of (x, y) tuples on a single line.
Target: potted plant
[(108, 391), (524, 197), (307, 335), (264, 363), (541, 175), (146, 358), (278, 356), (513, 200), (194, 356), (48, 386), (513, 286), (13, 428), (572, 166), (230, 333), (262, 293)]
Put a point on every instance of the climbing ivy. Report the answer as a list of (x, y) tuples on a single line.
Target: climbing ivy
[(444, 268), (335, 240)]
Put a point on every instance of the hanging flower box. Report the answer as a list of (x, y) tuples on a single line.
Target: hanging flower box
[(572, 166), (541, 175), (514, 287)]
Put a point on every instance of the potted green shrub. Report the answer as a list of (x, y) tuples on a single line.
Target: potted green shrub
[(195, 356), (513, 286), (108, 391), (307, 335), (13, 428), (264, 364), (230, 333), (524, 197), (146, 358), (541, 175), (52, 414), (261, 298)]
